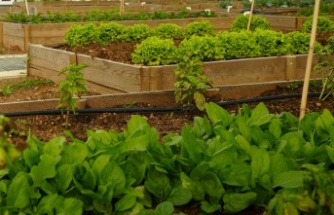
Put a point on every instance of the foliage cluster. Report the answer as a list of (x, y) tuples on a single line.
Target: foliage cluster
[(98, 15), (106, 33), (240, 23), (325, 24), (155, 51), (223, 162)]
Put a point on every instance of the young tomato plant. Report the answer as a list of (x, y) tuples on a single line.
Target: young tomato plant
[(71, 88)]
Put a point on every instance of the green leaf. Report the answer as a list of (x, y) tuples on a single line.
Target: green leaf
[(289, 179), (135, 122), (125, 203), (31, 157), (192, 145), (165, 208), (71, 206), (74, 153), (278, 164), (330, 153), (45, 169), (64, 177), (158, 184), (260, 115), (235, 202), (179, 196), (54, 146), (260, 163), (194, 186), (275, 128), (212, 185), (47, 204), (236, 174), (19, 192), (218, 115), (209, 207), (243, 143)]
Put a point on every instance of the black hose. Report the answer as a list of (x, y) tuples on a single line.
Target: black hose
[(157, 109)]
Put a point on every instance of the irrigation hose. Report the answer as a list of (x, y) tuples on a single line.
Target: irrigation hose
[(157, 109)]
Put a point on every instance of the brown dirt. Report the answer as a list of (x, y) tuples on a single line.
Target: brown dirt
[(46, 127)]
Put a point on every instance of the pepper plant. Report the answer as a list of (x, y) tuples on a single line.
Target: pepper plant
[(71, 88)]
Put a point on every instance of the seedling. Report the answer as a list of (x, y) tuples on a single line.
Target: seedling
[(71, 88)]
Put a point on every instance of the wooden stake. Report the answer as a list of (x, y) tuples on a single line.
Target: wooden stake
[(121, 7), (309, 60), (250, 15)]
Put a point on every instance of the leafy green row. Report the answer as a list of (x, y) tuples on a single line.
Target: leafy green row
[(224, 45), (223, 162), (107, 33), (98, 15)]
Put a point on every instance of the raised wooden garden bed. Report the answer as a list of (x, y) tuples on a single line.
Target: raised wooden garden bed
[(132, 6), (105, 76), (18, 36)]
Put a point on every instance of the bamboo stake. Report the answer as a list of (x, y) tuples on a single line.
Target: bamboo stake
[(250, 15), (121, 7), (27, 8), (309, 60)]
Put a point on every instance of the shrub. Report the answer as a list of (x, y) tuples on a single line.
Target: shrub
[(239, 44), (199, 29), (169, 30), (205, 48), (298, 42), (155, 51), (325, 24), (270, 42), (241, 22), (110, 32), (137, 32), (80, 35)]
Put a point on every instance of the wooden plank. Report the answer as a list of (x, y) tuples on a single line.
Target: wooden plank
[(167, 77), (96, 88), (50, 30), (281, 22), (13, 43), (113, 74), (290, 68), (53, 59), (250, 70), (46, 73), (13, 29), (301, 61)]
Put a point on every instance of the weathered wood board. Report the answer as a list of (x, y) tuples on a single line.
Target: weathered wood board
[(113, 76)]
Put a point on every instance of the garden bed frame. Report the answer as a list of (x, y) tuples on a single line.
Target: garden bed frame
[(106, 76), (17, 36)]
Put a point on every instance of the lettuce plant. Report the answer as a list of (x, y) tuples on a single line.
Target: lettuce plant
[(155, 51), (169, 31), (240, 23), (325, 24), (110, 32), (80, 35), (137, 33), (199, 28)]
